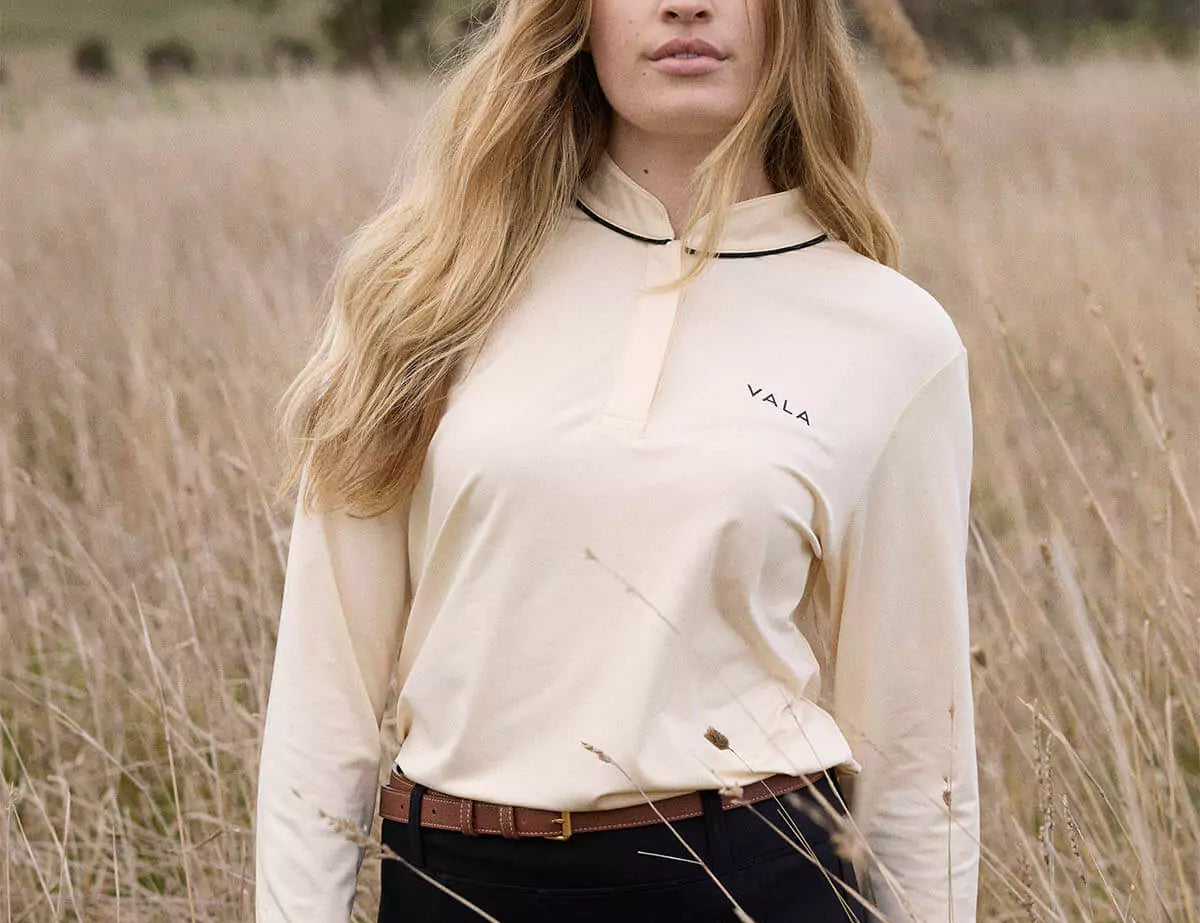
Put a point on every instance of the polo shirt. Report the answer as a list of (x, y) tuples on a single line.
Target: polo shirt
[(740, 506)]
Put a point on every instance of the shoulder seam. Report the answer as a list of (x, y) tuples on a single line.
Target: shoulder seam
[(883, 447)]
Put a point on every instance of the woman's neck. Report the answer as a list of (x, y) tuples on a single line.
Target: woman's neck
[(661, 163)]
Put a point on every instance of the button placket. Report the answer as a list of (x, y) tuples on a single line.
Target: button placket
[(649, 337)]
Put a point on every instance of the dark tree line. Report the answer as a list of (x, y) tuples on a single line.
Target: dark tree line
[(374, 34), (987, 31), (368, 33)]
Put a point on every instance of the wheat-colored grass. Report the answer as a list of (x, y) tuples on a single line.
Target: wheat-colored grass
[(158, 276)]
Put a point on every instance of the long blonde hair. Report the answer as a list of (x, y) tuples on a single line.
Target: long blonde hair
[(520, 121)]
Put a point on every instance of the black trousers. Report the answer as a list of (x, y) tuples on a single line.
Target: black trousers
[(625, 874)]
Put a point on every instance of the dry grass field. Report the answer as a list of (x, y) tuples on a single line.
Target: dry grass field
[(163, 256)]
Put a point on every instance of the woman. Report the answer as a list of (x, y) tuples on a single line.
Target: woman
[(638, 547)]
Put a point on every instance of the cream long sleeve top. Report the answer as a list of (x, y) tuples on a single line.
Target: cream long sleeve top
[(643, 515)]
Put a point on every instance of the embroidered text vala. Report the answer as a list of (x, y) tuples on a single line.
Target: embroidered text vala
[(770, 398)]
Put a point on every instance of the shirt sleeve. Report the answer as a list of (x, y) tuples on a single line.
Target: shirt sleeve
[(902, 682), (345, 602)]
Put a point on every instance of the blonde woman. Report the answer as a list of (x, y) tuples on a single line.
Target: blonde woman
[(629, 448)]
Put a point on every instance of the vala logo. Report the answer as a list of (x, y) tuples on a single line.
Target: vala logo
[(770, 398)]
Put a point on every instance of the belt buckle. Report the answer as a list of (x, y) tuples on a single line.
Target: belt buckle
[(565, 820)]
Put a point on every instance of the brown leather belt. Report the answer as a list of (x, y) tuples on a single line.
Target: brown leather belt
[(466, 815)]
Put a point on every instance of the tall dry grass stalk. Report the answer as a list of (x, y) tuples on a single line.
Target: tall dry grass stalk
[(903, 53), (157, 284)]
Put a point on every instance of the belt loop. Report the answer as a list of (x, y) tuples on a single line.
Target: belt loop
[(466, 817), (715, 829), (508, 822), (416, 851)]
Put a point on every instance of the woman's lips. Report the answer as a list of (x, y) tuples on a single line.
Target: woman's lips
[(687, 67)]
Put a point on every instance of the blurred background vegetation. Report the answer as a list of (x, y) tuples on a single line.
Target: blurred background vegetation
[(101, 39)]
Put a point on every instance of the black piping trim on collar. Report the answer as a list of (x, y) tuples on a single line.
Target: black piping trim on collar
[(734, 254), (722, 254), (620, 230)]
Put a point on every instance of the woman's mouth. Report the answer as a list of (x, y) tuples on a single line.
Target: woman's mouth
[(687, 64)]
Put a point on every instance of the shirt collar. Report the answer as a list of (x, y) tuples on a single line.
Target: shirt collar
[(760, 226)]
